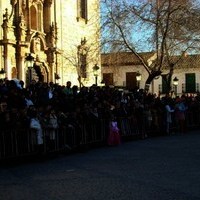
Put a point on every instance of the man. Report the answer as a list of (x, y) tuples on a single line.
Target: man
[(68, 90)]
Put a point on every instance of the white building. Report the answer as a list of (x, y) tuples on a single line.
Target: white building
[(121, 69)]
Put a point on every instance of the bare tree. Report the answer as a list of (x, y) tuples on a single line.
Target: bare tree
[(81, 56), (167, 27)]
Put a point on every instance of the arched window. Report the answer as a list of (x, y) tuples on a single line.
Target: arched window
[(33, 17), (36, 13)]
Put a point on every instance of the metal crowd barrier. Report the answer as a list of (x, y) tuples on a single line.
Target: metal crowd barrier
[(130, 127), (23, 142)]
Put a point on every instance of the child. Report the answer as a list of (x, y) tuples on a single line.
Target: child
[(114, 135)]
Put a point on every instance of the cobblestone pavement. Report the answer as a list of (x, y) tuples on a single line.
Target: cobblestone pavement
[(159, 168)]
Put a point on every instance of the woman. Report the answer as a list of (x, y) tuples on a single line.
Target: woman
[(180, 109), (169, 110)]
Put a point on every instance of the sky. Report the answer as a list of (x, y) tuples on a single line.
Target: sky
[(141, 34)]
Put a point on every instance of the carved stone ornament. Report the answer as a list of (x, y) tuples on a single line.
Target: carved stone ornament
[(37, 45)]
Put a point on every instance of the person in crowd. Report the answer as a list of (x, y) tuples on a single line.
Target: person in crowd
[(139, 113), (148, 116), (180, 109), (3, 87), (169, 110), (36, 127), (4, 116), (76, 111), (67, 89), (114, 137), (50, 125), (42, 93), (28, 100)]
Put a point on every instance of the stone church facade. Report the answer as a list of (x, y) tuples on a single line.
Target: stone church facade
[(61, 35)]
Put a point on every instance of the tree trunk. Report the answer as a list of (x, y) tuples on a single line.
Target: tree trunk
[(150, 78)]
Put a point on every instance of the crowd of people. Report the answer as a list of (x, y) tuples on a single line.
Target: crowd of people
[(49, 105)]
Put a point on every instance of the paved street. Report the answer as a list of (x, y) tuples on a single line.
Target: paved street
[(159, 168)]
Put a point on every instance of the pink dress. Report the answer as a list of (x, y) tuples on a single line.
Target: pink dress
[(114, 135)]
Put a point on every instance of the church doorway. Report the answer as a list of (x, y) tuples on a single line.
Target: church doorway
[(37, 73)]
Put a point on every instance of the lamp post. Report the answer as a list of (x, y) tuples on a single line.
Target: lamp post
[(95, 71), (29, 65), (138, 79), (175, 82), (2, 73)]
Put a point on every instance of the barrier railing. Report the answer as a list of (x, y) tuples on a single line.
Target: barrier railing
[(23, 142)]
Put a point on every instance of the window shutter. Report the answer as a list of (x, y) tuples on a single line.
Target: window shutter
[(190, 83)]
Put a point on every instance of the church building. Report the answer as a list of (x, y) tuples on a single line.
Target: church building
[(50, 40)]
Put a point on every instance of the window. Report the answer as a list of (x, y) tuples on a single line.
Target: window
[(82, 9), (33, 18), (36, 12)]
